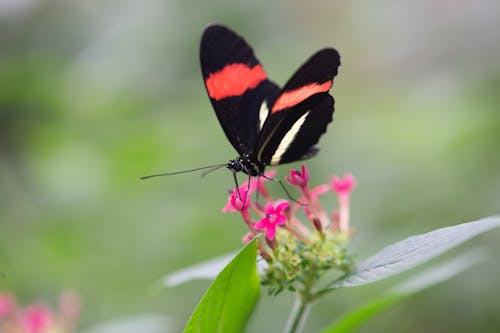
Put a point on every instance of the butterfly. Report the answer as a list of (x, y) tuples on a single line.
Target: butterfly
[(266, 124)]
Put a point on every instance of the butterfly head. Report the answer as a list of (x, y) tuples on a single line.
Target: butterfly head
[(246, 164)]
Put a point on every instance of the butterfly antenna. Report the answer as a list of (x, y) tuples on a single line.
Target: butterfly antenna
[(217, 167), (213, 167), (284, 189)]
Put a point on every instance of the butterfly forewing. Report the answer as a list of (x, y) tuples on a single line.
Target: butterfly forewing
[(237, 86), (301, 112), (319, 69)]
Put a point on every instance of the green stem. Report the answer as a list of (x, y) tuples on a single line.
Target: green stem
[(299, 314)]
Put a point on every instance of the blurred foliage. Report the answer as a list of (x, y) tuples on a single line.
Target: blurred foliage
[(95, 94)]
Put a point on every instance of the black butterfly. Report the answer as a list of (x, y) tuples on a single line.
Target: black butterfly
[(265, 124)]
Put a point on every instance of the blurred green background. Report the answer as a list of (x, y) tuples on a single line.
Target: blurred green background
[(95, 94)]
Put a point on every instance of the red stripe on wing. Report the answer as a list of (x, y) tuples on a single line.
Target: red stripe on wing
[(234, 80), (294, 97)]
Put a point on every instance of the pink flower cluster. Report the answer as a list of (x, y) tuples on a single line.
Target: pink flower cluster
[(38, 317), (280, 214)]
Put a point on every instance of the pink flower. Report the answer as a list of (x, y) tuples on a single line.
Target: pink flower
[(248, 237), (36, 318), (344, 185), (313, 195), (298, 178), (238, 200), (317, 191), (336, 220), (69, 310), (274, 217), (7, 304), (256, 183), (343, 188), (229, 207)]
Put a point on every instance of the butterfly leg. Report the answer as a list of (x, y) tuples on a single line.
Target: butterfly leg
[(284, 189), (236, 184), (248, 183), (248, 188)]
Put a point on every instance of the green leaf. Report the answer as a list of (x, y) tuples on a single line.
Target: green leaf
[(230, 300), (205, 270), (428, 278), (414, 251), (354, 319)]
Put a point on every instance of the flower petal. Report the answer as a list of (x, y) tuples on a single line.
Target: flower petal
[(262, 224), (298, 178), (270, 232), (280, 220), (343, 185), (305, 173), (269, 208), (320, 189), (281, 207)]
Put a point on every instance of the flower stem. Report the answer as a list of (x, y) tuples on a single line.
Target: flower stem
[(299, 314)]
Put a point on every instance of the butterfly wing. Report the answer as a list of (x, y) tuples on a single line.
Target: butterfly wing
[(237, 86), (301, 113)]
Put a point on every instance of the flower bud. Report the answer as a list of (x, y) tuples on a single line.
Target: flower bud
[(317, 224)]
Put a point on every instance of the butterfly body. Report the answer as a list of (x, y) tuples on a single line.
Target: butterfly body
[(266, 124), (247, 164)]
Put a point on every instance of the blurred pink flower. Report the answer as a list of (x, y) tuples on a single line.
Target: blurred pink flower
[(313, 195), (257, 183), (39, 317), (248, 237), (7, 304), (36, 318), (344, 185), (319, 190)]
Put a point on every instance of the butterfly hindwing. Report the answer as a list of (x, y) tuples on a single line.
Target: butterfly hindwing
[(236, 84), (296, 131), (301, 112)]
